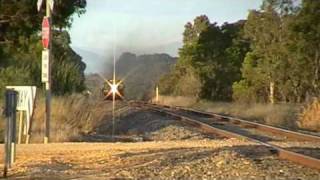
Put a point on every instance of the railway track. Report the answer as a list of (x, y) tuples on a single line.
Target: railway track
[(231, 127)]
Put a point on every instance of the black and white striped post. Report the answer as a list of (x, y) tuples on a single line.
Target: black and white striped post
[(10, 131)]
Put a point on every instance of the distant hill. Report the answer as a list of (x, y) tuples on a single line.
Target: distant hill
[(92, 60), (94, 83), (142, 72)]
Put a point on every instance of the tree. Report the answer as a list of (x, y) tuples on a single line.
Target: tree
[(263, 29), (305, 48), (254, 85), (20, 47), (209, 61), (68, 69), (285, 43), (268, 34)]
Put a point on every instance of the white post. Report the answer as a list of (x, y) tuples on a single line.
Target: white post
[(157, 94), (20, 127), (48, 84)]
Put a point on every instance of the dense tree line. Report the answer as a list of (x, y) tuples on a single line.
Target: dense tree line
[(20, 45), (209, 61), (141, 72), (273, 56)]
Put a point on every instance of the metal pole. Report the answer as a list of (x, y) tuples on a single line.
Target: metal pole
[(6, 146), (10, 113), (48, 85), (7, 139), (13, 128)]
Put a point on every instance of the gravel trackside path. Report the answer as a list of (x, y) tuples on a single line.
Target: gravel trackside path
[(200, 159)]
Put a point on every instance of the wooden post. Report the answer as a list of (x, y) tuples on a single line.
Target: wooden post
[(27, 138), (157, 94), (271, 97), (20, 126)]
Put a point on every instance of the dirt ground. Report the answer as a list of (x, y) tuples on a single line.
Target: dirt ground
[(160, 148), (194, 159)]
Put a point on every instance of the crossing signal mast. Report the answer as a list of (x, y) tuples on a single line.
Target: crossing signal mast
[(46, 63)]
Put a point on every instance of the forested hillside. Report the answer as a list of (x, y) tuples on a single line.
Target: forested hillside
[(20, 46), (272, 56), (142, 72)]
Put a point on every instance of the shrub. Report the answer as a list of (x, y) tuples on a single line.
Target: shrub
[(310, 116)]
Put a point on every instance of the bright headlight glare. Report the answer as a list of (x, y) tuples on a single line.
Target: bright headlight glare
[(114, 88)]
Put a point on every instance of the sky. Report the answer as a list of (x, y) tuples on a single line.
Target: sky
[(144, 26)]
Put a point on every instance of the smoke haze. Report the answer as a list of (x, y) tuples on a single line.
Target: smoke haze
[(143, 26)]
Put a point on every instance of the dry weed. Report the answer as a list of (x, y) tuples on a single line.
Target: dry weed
[(71, 116), (2, 123), (310, 116), (282, 115), (176, 100), (1, 130)]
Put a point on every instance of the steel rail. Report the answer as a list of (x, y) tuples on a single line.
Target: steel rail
[(262, 127), (281, 153)]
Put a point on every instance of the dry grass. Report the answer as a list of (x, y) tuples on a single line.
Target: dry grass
[(310, 117), (282, 115), (1, 130), (71, 116), (2, 123), (176, 101)]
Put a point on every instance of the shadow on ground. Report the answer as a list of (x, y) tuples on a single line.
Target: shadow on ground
[(141, 125)]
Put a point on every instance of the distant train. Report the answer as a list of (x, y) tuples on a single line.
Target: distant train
[(109, 88)]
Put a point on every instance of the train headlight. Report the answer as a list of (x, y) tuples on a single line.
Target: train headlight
[(114, 88)]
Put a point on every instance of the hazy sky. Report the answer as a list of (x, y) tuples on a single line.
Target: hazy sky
[(146, 26)]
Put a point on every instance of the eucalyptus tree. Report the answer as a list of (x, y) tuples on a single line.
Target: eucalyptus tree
[(20, 47)]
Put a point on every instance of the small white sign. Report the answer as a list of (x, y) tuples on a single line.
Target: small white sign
[(51, 3), (39, 4), (26, 100), (45, 70)]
